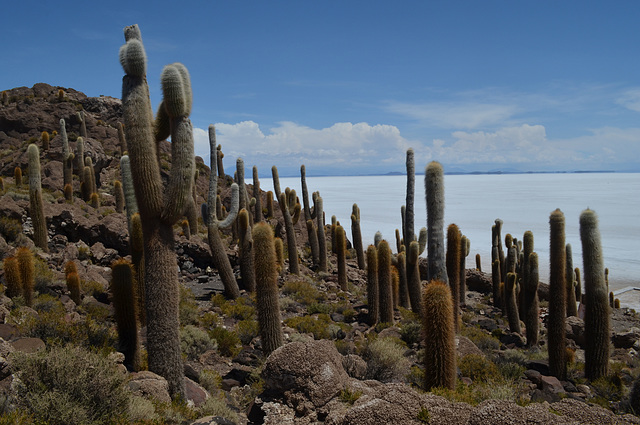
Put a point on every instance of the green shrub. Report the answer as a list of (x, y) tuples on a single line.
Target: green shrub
[(321, 308), (316, 325), (188, 307), (210, 380), (194, 342), (424, 416), (480, 338), (240, 309), (217, 406), (349, 396), (69, 386), (10, 228), (228, 342), (303, 292), (478, 368), (386, 361), (246, 330), (411, 333)]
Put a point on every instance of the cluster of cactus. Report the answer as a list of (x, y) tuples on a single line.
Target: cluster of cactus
[(19, 274), (160, 207)]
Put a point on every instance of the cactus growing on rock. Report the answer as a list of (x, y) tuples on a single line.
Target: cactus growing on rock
[(267, 288), (160, 207), (73, 285), (83, 123), (124, 306), (44, 138), (495, 285), (596, 318), (121, 139), (465, 245), (80, 159), (439, 337), (434, 194), (17, 176), (557, 297), (401, 265), (36, 207)]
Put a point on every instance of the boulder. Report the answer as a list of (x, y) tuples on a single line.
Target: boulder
[(149, 385), (28, 345), (465, 346), (574, 329), (312, 370), (626, 339)]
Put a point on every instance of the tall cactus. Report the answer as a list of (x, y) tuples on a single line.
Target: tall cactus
[(36, 207), (373, 300), (413, 283), (434, 188), (384, 282), (572, 308), (124, 305), (408, 229), (257, 215), (532, 310), (218, 252), (267, 288), (557, 297), (121, 139), (292, 250), (465, 245), (439, 337), (401, 265), (80, 159), (246, 251), (512, 306), (127, 186), (312, 234), (305, 194), (341, 257), (83, 124), (453, 268), (67, 156), (596, 317), (160, 207), (356, 235), (322, 240)]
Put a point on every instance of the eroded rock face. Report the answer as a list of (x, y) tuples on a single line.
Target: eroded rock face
[(310, 371)]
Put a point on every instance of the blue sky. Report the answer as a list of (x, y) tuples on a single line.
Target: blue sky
[(345, 87)]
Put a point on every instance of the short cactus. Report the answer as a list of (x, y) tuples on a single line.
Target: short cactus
[(478, 263), (596, 318), (73, 285), (385, 289), (439, 337), (119, 195), (124, 306), (12, 279), (373, 300), (27, 273), (267, 288), (36, 207), (44, 138), (17, 176)]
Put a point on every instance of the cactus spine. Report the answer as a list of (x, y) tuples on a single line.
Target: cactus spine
[(439, 337), (373, 301), (124, 306), (596, 317), (214, 223), (27, 273), (36, 206), (453, 268), (557, 297), (434, 188), (384, 282), (572, 308), (341, 255), (160, 207), (356, 235), (246, 251), (532, 311), (267, 288)]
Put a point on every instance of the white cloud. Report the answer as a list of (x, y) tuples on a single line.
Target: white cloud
[(467, 115), (343, 147), (630, 99)]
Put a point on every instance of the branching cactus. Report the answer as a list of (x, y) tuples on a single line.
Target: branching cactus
[(356, 234), (246, 251), (67, 156), (292, 250), (434, 188), (373, 300), (572, 308), (453, 267), (414, 284), (127, 185), (596, 318), (267, 288), (341, 255), (83, 123), (36, 207), (124, 306), (532, 310), (160, 207), (439, 337), (214, 224), (384, 282), (557, 297)]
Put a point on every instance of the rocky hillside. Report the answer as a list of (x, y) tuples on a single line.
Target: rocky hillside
[(334, 367)]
